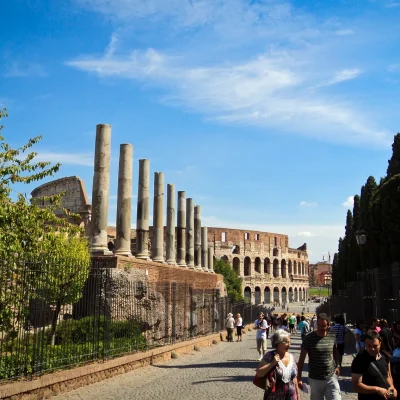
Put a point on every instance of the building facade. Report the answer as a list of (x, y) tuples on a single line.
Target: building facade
[(321, 273), (272, 272)]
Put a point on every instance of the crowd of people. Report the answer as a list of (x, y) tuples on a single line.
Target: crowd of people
[(323, 341)]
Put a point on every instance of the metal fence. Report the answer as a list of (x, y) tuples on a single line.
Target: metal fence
[(376, 293), (113, 313)]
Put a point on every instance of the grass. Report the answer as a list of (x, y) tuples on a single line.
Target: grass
[(323, 292)]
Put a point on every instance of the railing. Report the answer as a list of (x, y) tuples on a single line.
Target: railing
[(49, 323)]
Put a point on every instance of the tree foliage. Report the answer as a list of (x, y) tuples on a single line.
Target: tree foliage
[(42, 256), (231, 279), (377, 211)]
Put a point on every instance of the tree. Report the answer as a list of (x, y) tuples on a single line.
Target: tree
[(42, 256), (394, 163), (356, 265), (335, 274), (231, 279)]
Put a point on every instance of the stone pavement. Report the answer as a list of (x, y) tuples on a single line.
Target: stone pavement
[(223, 371)]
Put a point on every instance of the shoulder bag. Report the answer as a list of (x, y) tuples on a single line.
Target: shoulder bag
[(266, 382), (380, 375)]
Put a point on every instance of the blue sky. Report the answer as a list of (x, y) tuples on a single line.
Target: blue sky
[(270, 114)]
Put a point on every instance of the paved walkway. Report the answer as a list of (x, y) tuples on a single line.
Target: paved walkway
[(224, 371)]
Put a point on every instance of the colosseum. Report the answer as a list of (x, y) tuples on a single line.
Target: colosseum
[(272, 272)]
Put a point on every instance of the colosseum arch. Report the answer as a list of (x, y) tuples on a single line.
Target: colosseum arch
[(267, 295), (290, 295), (236, 265), (267, 266), (290, 267), (294, 268), (257, 295), (283, 269), (225, 259), (284, 295), (257, 265), (276, 268), (276, 295), (303, 270), (275, 252), (247, 266), (296, 296), (247, 294)]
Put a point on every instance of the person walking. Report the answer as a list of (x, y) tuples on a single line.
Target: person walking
[(304, 327), (292, 321), (283, 363), (261, 326), (360, 337), (230, 325), (339, 330), (387, 338), (370, 371), (322, 362), (239, 326)]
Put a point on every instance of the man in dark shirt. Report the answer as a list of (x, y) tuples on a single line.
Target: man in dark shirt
[(387, 338), (370, 372), (322, 362)]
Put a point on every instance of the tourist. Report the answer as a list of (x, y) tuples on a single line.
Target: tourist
[(304, 326), (370, 371), (261, 325), (339, 330), (239, 326), (292, 321), (387, 338), (280, 324), (396, 334), (230, 325), (283, 362), (322, 362), (360, 337), (375, 325)]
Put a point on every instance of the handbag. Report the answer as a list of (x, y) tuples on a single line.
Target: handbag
[(266, 382)]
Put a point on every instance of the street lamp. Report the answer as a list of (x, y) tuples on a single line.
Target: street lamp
[(361, 237)]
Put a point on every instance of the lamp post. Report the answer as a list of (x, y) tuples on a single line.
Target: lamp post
[(361, 238)]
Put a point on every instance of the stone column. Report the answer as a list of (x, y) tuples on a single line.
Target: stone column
[(181, 230), (142, 220), (190, 233), (211, 259), (157, 245), (204, 248), (171, 224), (197, 238), (100, 190), (124, 202)]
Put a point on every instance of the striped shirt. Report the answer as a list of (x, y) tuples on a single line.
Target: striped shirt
[(339, 331), (320, 355)]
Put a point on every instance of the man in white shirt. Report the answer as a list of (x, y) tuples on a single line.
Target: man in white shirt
[(261, 326)]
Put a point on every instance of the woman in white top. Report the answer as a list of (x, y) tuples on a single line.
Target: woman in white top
[(239, 326)]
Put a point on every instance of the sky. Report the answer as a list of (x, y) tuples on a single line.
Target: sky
[(270, 114)]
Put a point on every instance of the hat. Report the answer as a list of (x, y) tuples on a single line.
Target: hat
[(230, 315)]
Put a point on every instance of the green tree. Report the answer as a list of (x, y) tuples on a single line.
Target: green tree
[(335, 273), (231, 279), (41, 255), (394, 163), (356, 265)]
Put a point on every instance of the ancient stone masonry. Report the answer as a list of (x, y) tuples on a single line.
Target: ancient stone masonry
[(271, 271)]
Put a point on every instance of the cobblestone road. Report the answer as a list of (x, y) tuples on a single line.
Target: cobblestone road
[(223, 371)]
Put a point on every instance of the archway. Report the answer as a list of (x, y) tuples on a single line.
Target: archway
[(247, 266), (290, 267), (225, 259), (257, 265), (275, 252), (294, 268), (236, 265), (257, 295), (303, 271), (284, 295), (276, 295), (276, 268), (283, 269), (267, 266), (247, 294), (267, 295), (296, 297), (290, 295)]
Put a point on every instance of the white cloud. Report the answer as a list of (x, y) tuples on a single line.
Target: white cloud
[(344, 32), (84, 159), (344, 75), (306, 234), (308, 203), (394, 68), (18, 70), (392, 5), (349, 203)]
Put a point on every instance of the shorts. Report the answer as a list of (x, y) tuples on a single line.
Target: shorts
[(340, 348), (291, 326), (239, 331)]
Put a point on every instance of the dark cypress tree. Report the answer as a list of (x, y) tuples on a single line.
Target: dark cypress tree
[(347, 241), (394, 163), (335, 266), (354, 248), (342, 264)]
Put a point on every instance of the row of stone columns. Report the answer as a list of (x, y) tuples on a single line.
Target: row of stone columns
[(192, 250)]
